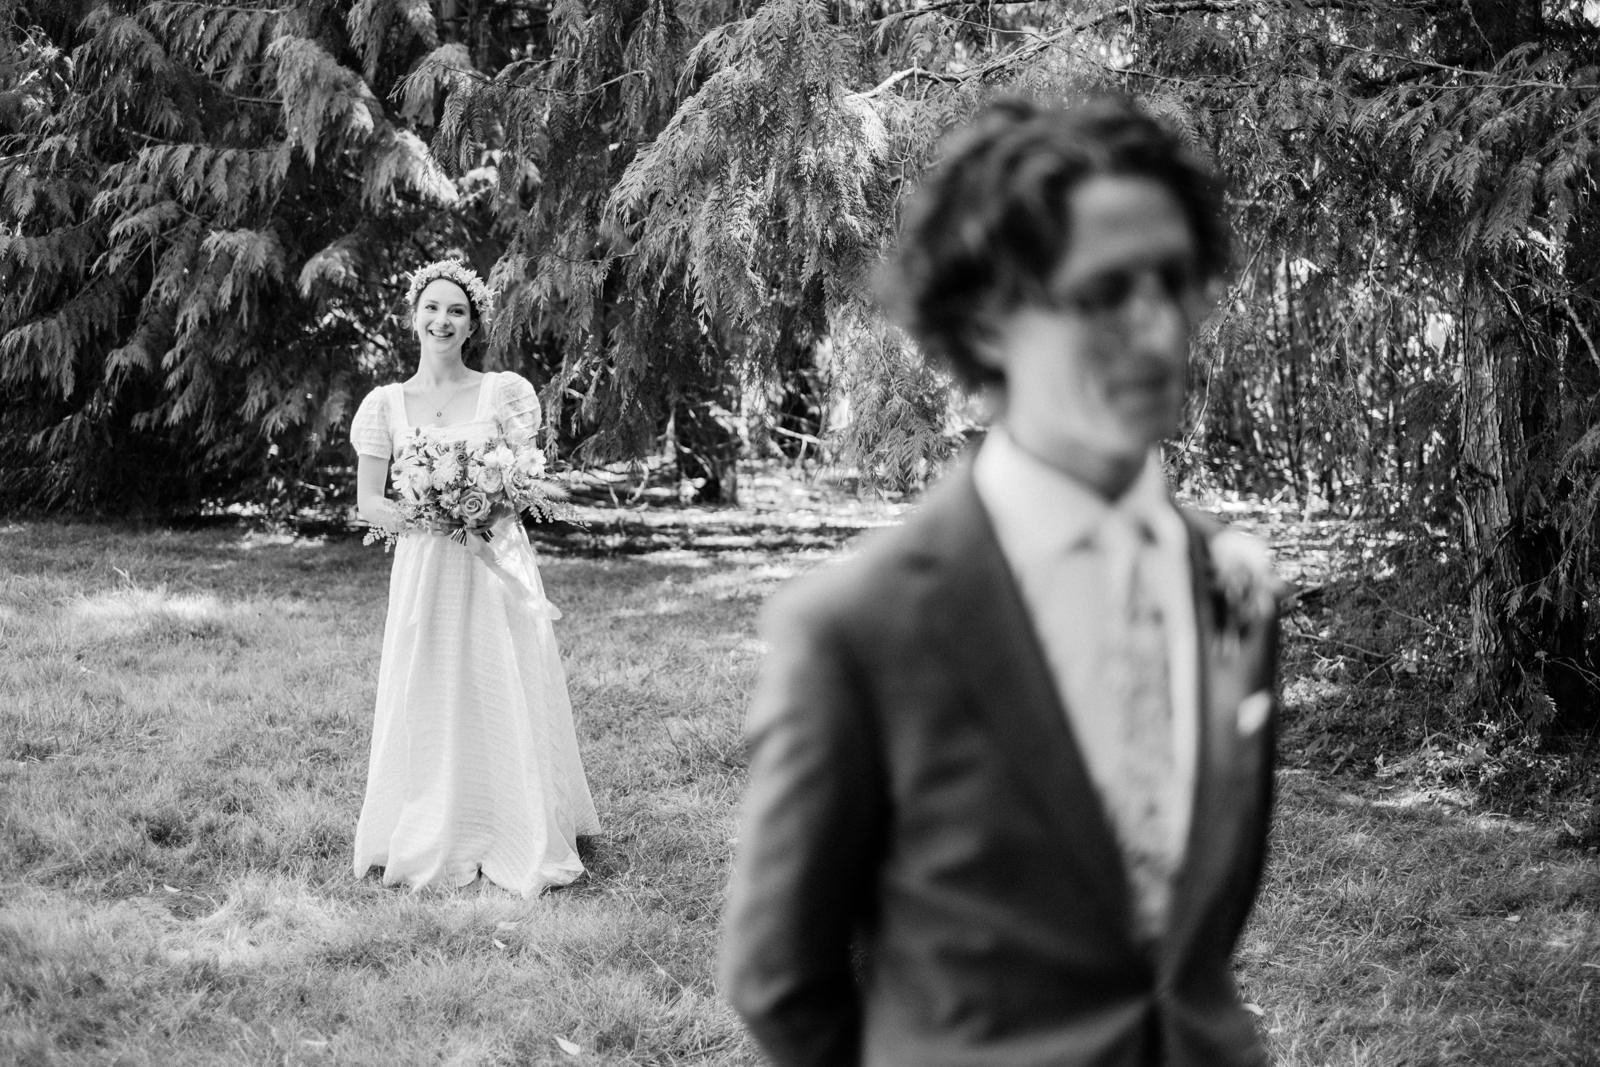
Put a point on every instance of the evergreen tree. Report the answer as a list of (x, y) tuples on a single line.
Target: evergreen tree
[(1417, 177), (631, 363), (713, 187), (204, 212)]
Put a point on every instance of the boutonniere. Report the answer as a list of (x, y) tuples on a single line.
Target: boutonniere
[(1244, 590)]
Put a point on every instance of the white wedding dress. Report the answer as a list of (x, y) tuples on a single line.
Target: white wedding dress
[(474, 763)]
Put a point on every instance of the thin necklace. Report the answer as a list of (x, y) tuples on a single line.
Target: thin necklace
[(448, 396)]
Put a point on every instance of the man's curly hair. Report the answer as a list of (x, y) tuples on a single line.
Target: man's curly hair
[(989, 225)]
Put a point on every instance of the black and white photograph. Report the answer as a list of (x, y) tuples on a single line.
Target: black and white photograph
[(812, 533)]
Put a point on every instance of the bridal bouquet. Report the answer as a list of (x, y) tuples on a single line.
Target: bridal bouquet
[(463, 488)]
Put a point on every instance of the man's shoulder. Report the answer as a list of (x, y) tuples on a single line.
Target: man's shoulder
[(886, 568), (870, 573), (1201, 523)]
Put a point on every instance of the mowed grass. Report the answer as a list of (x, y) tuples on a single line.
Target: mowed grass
[(184, 720)]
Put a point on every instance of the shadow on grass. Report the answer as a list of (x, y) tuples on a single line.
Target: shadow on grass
[(1393, 928), (176, 834), (1375, 656)]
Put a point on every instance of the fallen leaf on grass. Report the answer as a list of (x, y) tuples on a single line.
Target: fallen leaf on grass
[(571, 1048), (1255, 1009)]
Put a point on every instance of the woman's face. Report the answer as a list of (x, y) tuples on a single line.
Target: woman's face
[(443, 317)]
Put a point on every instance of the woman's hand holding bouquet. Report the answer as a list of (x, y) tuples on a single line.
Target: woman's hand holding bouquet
[(460, 490)]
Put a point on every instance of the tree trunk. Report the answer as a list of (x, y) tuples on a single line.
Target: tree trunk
[(1529, 624), (707, 446), (1488, 394), (1575, 671), (1529, 620), (799, 411)]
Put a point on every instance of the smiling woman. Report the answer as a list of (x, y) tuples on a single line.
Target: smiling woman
[(474, 761)]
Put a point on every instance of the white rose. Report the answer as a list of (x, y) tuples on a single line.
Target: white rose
[(490, 479), (473, 508)]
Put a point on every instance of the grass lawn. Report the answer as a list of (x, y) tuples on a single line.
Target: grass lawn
[(184, 718)]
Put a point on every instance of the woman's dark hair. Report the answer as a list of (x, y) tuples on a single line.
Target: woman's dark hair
[(989, 225)]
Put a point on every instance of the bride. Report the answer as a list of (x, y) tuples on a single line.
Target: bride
[(474, 766)]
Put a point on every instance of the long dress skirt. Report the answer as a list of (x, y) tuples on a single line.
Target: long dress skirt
[(474, 763)]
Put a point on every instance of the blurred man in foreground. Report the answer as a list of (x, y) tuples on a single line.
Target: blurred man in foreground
[(1011, 763)]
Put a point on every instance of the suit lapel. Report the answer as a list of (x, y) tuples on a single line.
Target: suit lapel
[(996, 656), (1227, 764)]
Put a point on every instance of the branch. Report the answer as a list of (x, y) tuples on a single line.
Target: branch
[(1128, 12), (1446, 68), (596, 88), (1588, 341), (901, 75), (242, 98), (1223, 7), (485, 79), (229, 7), (804, 438), (941, 5)]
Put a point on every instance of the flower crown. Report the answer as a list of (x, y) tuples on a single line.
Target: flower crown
[(456, 271)]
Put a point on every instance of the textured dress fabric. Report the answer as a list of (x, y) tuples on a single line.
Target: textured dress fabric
[(474, 763)]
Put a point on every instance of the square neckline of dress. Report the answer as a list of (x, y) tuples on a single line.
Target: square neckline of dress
[(477, 408)]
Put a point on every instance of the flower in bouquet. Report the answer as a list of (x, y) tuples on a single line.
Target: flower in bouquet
[(526, 475), (530, 461), (458, 488), (448, 468), (530, 489), (493, 467), (412, 476), (473, 507)]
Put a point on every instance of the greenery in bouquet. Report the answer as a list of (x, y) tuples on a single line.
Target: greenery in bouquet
[(462, 490)]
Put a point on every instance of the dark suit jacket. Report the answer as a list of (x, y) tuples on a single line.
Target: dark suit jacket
[(925, 874)]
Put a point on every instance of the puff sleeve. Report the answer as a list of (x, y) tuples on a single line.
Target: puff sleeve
[(369, 430), (516, 405)]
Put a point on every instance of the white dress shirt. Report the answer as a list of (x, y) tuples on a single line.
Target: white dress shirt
[(1046, 523)]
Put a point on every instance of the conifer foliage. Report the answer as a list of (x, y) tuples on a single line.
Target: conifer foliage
[(769, 194), (203, 207), (1413, 330)]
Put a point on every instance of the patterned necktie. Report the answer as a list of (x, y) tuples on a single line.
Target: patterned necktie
[(1137, 681)]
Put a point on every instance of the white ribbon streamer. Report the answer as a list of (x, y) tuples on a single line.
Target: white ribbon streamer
[(510, 567)]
